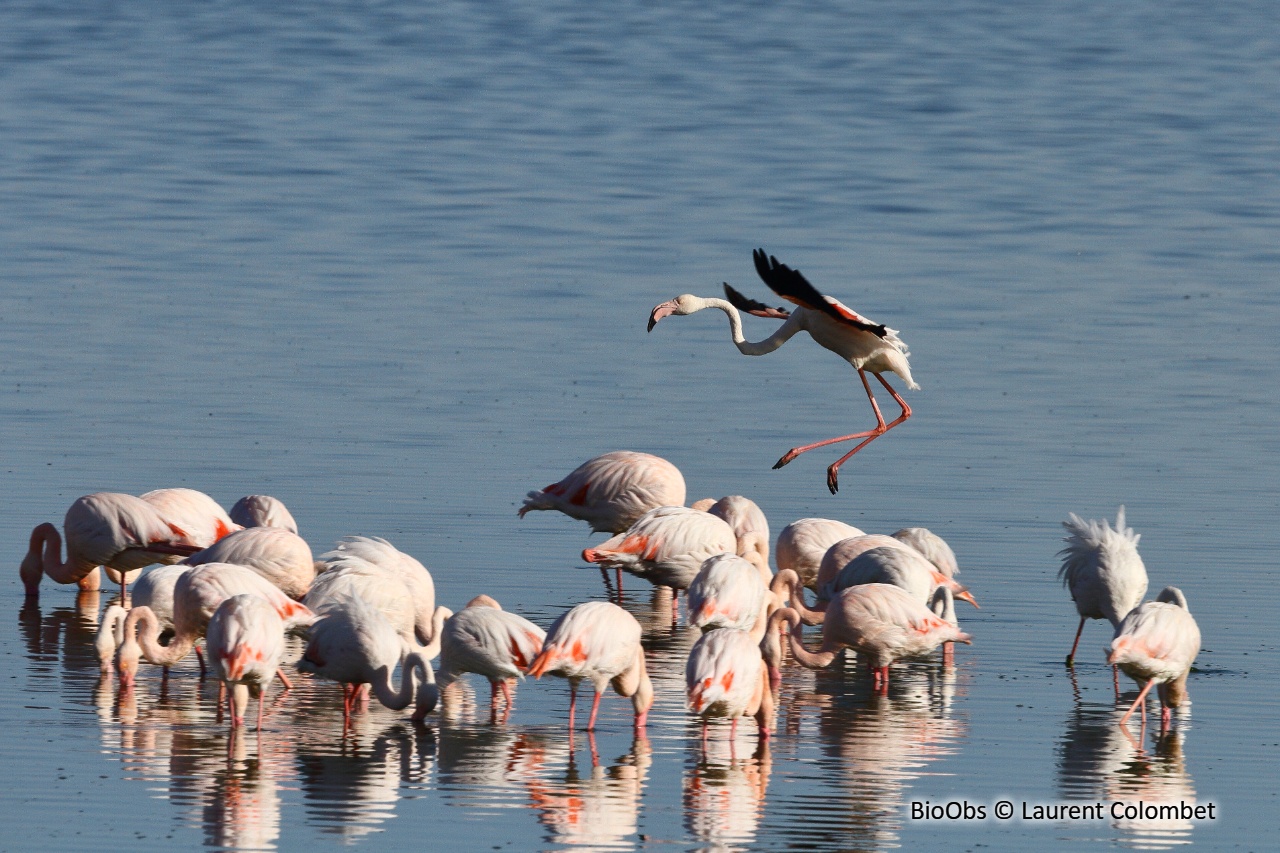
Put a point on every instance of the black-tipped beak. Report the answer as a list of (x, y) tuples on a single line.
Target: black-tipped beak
[(660, 311)]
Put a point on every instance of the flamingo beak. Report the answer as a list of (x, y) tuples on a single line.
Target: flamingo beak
[(968, 596), (666, 309)]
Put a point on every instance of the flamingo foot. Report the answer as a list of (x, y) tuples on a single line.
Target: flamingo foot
[(787, 458), (833, 473)]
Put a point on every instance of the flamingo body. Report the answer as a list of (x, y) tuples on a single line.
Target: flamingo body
[(612, 491), (412, 573), (725, 677), (1102, 570), (484, 639), (1157, 643), (667, 546), (279, 555), (728, 593), (934, 548), (245, 642), (803, 542), (748, 522), (263, 511)]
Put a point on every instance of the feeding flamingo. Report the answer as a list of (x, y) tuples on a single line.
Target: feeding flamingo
[(120, 531), (279, 555), (599, 641), (263, 511), (427, 617), (1102, 570), (1157, 642), (487, 640), (803, 542), (245, 642), (354, 645), (748, 522), (611, 491), (882, 621), (729, 593), (725, 676), (869, 347)]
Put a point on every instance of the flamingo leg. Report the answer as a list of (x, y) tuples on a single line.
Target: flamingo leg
[(1136, 703), (948, 654), (1166, 718), (1071, 656), (262, 695), (505, 684), (200, 657), (595, 709), (733, 740), (573, 704), (1115, 679), (284, 679)]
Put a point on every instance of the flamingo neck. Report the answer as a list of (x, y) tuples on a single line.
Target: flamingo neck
[(142, 631), (432, 649), (812, 660), (744, 346), (44, 557), (786, 585)]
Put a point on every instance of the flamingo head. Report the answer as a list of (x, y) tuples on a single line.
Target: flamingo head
[(680, 306)]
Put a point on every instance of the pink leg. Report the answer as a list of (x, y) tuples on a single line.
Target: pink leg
[(595, 709), (1166, 718), (222, 691), (200, 657), (1071, 656), (948, 654), (506, 693), (733, 739), (573, 705), (1115, 679), (284, 679), (262, 695), (1140, 701)]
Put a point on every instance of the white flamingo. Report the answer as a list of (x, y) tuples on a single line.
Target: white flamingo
[(1157, 643), (1102, 570), (245, 642), (487, 640), (611, 491)]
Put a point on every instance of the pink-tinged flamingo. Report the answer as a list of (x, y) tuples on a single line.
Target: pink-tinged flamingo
[(725, 677), (729, 593), (154, 590), (934, 548), (196, 596), (666, 546), (110, 529), (882, 621), (1157, 643), (245, 642), (748, 522), (279, 555), (612, 491), (598, 641), (869, 347), (373, 549), (802, 543), (487, 640), (193, 512), (1102, 570), (263, 511), (354, 645)]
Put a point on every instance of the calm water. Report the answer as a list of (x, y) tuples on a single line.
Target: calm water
[(392, 263)]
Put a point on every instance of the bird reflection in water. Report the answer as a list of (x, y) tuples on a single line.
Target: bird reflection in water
[(1100, 761), (63, 633), (724, 797), (599, 810)]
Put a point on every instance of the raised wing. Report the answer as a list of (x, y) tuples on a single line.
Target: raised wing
[(793, 287), (751, 306)]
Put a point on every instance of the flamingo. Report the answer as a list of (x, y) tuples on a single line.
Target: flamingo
[(193, 512), (611, 491), (725, 676), (485, 639), (383, 587), (1102, 569), (279, 555), (196, 596), (154, 590), (110, 529), (748, 522), (600, 641), (263, 511), (245, 641), (943, 605), (802, 543), (934, 548), (869, 347), (728, 593), (1157, 643), (427, 617), (882, 621), (666, 546), (354, 645)]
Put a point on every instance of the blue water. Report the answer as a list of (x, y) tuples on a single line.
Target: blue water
[(392, 264)]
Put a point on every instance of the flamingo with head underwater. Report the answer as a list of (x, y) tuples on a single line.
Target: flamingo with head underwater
[(869, 347)]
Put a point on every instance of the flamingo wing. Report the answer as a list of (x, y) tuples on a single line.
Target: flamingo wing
[(794, 287), (751, 306)]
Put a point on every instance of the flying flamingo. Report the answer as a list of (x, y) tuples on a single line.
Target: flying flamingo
[(802, 543), (600, 641), (245, 641), (427, 616), (354, 645), (729, 593), (612, 491), (263, 511), (487, 640), (882, 621), (870, 347), (1102, 569), (196, 596), (1157, 643), (110, 529), (725, 676), (279, 555), (666, 546)]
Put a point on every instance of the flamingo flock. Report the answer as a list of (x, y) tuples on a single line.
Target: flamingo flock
[(241, 582)]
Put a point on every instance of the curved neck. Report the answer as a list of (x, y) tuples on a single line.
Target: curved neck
[(147, 636), (943, 605), (44, 557), (110, 634), (786, 584), (414, 680), (432, 649), (769, 344), (813, 660)]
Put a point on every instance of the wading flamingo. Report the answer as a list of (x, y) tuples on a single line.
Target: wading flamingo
[(354, 645), (748, 522), (110, 529), (1102, 570), (279, 555), (612, 491), (882, 621), (381, 586), (1157, 643), (725, 676), (487, 640), (802, 543), (245, 641), (598, 641), (729, 593), (869, 347), (427, 616), (263, 511)]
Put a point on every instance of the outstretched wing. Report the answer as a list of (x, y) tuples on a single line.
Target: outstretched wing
[(751, 306), (793, 287)]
